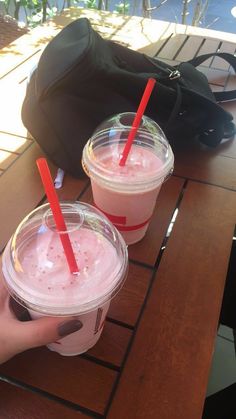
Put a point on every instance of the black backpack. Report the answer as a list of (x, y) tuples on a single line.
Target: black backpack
[(82, 79)]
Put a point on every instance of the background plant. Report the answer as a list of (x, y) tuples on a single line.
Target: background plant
[(33, 12)]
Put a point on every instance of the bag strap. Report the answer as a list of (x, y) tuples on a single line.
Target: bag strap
[(176, 108), (231, 59)]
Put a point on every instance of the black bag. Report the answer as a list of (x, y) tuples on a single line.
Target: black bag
[(82, 79)]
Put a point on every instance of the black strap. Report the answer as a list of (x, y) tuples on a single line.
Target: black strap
[(231, 59), (176, 107)]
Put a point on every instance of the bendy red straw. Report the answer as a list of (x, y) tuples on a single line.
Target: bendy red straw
[(57, 213), (141, 109)]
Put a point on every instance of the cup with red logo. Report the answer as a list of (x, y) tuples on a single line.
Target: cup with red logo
[(36, 274), (127, 194)]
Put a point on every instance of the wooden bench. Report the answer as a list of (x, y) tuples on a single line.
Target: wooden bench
[(154, 356)]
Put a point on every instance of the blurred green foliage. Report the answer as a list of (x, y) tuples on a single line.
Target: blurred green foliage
[(33, 12)]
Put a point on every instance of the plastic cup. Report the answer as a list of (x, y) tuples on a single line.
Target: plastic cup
[(36, 273), (127, 194)]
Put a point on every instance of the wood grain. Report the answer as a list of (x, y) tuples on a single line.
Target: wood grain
[(168, 365), (173, 315), (25, 47), (72, 378), (209, 45), (12, 96), (72, 188), (146, 251), (6, 159), (112, 345), (16, 403), (21, 189), (218, 62), (215, 77), (189, 49), (12, 143), (127, 305), (170, 49), (198, 162)]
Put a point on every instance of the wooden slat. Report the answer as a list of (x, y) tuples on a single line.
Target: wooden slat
[(22, 190), (22, 71), (216, 88), (209, 46), (218, 62), (167, 368), (215, 77), (26, 46), (153, 48), (210, 33), (170, 62), (16, 403), (36, 39), (194, 161), (112, 345), (172, 46), (72, 378), (206, 167), (189, 49), (119, 28), (12, 143), (72, 187), (166, 371), (229, 150), (137, 24), (21, 184), (127, 305), (6, 159), (12, 96), (231, 84), (102, 21), (147, 250)]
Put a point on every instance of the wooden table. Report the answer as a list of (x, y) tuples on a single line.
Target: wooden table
[(154, 356)]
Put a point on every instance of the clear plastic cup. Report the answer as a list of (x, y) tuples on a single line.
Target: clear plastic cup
[(37, 276), (127, 194)]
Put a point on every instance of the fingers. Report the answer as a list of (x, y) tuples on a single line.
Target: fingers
[(3, 291), (18, 310), (17, 336), (43, 331)]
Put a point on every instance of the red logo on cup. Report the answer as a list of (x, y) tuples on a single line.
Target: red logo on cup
[(120, 221), (98, 321)]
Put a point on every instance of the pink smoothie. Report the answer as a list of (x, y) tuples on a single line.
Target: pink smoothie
[(45, 283), (48, 276), (129, 199)]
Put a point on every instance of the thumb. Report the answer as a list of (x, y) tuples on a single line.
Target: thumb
[(42, 331)]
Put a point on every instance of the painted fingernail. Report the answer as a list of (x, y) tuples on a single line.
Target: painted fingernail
[(24, 316), (69, 327), (20, 312)]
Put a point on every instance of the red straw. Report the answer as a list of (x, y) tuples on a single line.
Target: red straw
[(137, 120), (57, 214)]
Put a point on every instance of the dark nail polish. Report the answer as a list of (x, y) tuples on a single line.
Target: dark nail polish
[(20, 312), (69, 327)]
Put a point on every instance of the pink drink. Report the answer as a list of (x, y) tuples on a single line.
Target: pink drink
[(37, 274), (127, 194), (129, 212)]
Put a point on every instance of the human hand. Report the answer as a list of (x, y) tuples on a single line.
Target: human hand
[(17, 336)]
